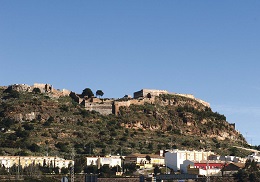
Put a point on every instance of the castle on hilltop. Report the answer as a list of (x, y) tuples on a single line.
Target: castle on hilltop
[(104, 106), (111, 106)]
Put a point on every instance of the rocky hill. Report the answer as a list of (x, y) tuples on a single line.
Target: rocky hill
[(36, 123)]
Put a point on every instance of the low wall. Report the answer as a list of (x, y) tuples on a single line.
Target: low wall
[(143, 93), (102, 108), (118, 179), (118, 104)]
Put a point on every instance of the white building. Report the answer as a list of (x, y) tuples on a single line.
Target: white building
[(141, 159), (174, 158), (255, 157), (227, 158), (206, 168), (100, 161), (9, 161)]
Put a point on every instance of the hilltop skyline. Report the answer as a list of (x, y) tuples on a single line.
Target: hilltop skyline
[(208, 49)]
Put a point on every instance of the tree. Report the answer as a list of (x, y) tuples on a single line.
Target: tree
[(64, 170), (148, 158), (251, 165), (99, 93), (130, 168), (36, 90), (12, 93), (241, 175), (87, 92), (35, 148), (149, 95), (249, 173), (156, 170), (80, 163), (105, 171), (91, 169)]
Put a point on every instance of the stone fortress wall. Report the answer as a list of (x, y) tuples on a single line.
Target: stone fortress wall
[(44, 88), (143, 94), (192, 97), (118, 104), (112, 106), (103, 106)]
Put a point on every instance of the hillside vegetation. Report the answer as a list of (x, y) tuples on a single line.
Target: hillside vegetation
[(34, 123)]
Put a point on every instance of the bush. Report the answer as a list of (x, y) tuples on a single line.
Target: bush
[(62, 146), (64, 108), (64, 170), (12, 93), (34, 148), (28, 126), (36, 90)]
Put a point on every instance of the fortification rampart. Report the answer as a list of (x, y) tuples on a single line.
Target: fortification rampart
[(112, 106), (118, 104), (102, 108), (203, 102), (184, 95), (192, 97), (145, 92), (153, 93), (65, 92), (76, 98), (43, 87)]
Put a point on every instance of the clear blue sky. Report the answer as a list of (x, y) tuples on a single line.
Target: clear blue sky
[(207, 48)]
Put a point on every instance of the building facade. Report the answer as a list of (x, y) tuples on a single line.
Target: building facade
[(144, 93), (106, 160), (24, 161), (141, 159), (175, 158)]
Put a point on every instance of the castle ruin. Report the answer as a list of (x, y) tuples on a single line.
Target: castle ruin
[(44, 88), (112, 106), (104, 106)]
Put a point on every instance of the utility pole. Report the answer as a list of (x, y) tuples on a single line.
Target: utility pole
[(19, 162), (208, 178), (166, 167), (18, 169), (72, 167)]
